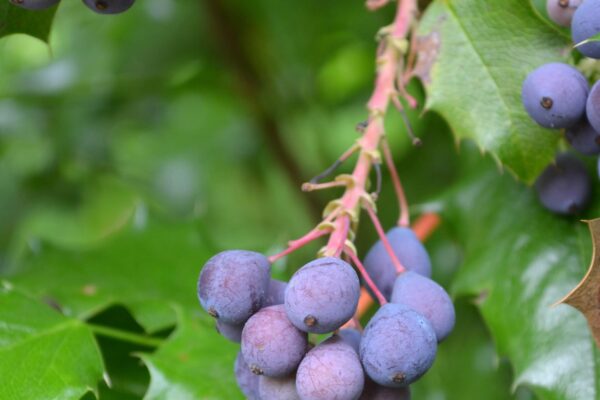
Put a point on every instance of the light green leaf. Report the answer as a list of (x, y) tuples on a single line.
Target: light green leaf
[(44, 355), (474, 56)]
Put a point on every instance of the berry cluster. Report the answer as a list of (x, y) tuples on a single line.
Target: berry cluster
[(558, 96), (99, 6), (273, 320)]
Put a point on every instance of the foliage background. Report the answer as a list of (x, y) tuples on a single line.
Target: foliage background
[(134, 147)]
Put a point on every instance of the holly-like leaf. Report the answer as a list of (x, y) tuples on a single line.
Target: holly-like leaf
[(473, 58), (585, 297), (15, 19), (518, 260), (196, 363), (44, 355)]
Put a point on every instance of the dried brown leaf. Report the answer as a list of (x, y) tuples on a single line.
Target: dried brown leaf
[(586, 296)]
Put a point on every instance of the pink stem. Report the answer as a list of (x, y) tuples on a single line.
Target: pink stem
[(297, 244), (386, 243), (404, 219), (389, 61), (361, 268)]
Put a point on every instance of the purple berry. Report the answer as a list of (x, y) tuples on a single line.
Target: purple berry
[(555, 95), (246, 380), (584, 138), (427, 298), (109, 6), (565, 187), (233, 285), (408, 249), (35, 4), (230, 331), (271, 345), (592, 108), (374, 391), (398, 346), (278, 388), (561, 11), (322, 295), (351, 336), (585, 24), (332, 370), (275, 293)]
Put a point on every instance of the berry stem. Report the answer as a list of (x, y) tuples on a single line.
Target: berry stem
[(386, 243), (298, 243), (404, 219), (389, 61), (361, 268), (423, 227)]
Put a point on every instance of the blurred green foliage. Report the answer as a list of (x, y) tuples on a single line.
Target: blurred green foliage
[(134, 147)]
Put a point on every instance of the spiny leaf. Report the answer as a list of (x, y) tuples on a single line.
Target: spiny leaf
[(518, 259), (586, 296), (473, 58)]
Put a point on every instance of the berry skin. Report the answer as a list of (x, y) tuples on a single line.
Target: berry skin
[(109, 6), (398, 346), (592, 108), (271, 345), (230, 331), (350, 336), (275, 293), (233, 285), (278, 388), (374, 391), (246, 380), (322, 295), (408, 249), (427, 298), (34, 4), (561, 11), (555, 95), (585, 24), (332, 370), (564, 187), (584, 138)]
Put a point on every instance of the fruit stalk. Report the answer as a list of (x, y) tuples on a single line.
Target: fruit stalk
[(389, 62)]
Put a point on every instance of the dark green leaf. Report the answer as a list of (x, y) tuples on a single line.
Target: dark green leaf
[(196, 363), (474, 56), (145, 267), (14, 19), (519, 260)]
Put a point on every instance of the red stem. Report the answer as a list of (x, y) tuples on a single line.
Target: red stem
[(299, 243), (382, 301), (386, 243), (404, 219)]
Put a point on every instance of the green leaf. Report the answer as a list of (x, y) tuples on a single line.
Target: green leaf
[(146, 267), (519, 259), (595, 38), (14, 19), (474, 56), (196, 363), (44, 355)]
